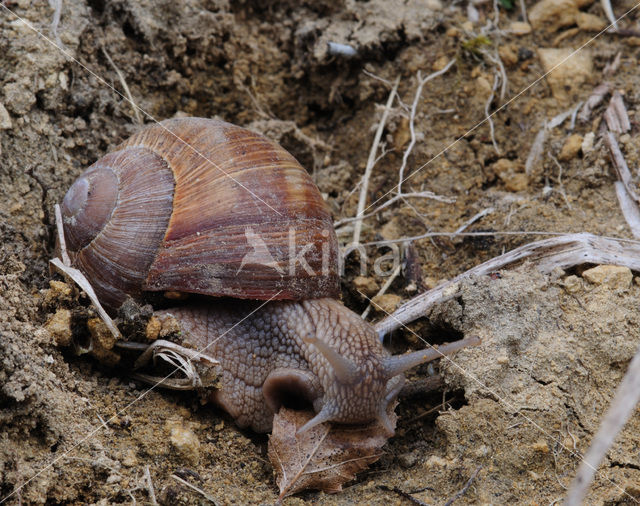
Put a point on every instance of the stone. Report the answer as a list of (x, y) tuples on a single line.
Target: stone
[(508, 55), (440, 63), (613, 276), (589, 22), (184, 441), (154, 326), (540, 446), (130, 460), (59, 326), (566, 71), (386, 303), (587, 142), (519, 28), (515, 182), (366, 285), (572, 284), (509, 173), (553, 14), (18, 97), (407, 460), (571, 148), (5, 119)]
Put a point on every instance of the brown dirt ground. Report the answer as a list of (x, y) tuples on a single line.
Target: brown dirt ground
[(531, 396)]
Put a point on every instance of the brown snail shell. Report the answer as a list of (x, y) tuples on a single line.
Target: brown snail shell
[(181, 206)]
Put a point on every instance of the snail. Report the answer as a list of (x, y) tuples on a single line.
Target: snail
[(204, 207)]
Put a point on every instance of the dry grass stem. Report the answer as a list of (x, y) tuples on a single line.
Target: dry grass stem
[(64, 267), (629, 209), (364, 189), (561, 251), (608, 10), (560, 189), (488, 118), (125, 86), (207, 496), (597, 96), (464, 489), (523, 11), (620, 164), (149, 486), (616, 114), (622, 407), (412, 118), (537, 149), (612, 67), (56, 5), (383, 289)]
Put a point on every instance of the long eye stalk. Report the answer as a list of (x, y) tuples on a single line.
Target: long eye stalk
[(400, 363)]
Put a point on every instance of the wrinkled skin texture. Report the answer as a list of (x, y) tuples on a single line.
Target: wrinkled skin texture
[(265, 360)]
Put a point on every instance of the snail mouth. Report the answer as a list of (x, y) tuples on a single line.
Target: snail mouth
[(291, 388)]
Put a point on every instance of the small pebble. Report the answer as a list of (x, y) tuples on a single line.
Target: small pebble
[(184, 441), (59, 325), (366, 285), (130, 460), (589, 22), (613, 276), (572, 284), (566, 70), (587, 142), (5, 119), (540, 446), (571, 148), (386, 303), (519, 28), (407, 460)]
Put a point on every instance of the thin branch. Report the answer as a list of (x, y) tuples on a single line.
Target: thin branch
[(620, 164), (149, 487), (412, 117), (464, 489), (204, 494), (624, 403), (125, 86), (616, 114), (382, 290), (423, 195), (629, 209), (488, 116), (370, 163), (563, 251)]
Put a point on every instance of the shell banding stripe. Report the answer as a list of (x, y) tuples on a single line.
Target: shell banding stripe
[(118, 258), (218, 207)]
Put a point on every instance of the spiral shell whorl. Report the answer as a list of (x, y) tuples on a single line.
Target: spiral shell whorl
[(116, 255)]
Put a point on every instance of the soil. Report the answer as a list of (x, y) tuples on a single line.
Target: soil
[(516, 413)]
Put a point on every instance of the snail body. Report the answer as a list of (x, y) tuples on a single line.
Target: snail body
[(201, 206)]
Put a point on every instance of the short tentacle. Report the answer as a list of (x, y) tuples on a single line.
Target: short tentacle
[(344, 369), (327, 413)]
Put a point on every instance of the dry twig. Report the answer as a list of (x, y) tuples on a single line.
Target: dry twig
[(629, 209), (464, 489), (204, 494), (597, 96), (561, 251), (125, 87), (620, 164), (616, 114), (364, 189), (624, 403)]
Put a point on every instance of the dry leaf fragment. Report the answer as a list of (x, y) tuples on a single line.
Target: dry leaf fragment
[(325, 456)]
